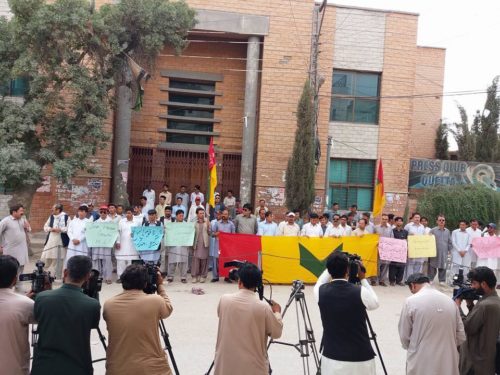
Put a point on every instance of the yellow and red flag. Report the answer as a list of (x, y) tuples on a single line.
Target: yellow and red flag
[(212, 168), (379, 194)]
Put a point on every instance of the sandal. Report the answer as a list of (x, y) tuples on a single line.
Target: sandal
[(184, 281)]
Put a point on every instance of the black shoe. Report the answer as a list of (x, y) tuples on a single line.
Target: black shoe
[(227, 280), (118, 281), (214, 280)]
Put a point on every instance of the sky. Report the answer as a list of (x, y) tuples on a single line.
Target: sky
[(469, 30)]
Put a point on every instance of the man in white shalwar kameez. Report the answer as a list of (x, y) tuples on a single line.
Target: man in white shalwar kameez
[(101, 256), (461, 253), (430, 329), (125, 251), (76, 233), (178, 255), (474, 232), (54, 242)]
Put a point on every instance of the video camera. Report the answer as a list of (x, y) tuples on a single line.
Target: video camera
[(40, 280), (93, 286), (152, 268), (234, 275), (463, 288), (354, 266)]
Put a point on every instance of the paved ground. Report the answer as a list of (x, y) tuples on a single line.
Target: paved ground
[(193, 327)]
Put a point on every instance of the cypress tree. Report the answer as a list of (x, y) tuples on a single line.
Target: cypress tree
[(441, 142)]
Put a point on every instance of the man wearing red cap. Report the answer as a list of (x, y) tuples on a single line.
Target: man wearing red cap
[(101, 256)]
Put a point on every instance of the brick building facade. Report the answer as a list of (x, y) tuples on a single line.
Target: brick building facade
[(374, 103)]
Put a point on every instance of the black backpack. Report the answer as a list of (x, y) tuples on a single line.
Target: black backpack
[(64, 236)]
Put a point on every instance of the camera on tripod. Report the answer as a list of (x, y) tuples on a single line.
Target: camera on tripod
[(40, 280), (354, 267), (152, 268), (463, 288), (93, 286)]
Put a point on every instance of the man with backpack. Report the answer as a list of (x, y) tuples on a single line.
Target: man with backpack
[(56, 228)]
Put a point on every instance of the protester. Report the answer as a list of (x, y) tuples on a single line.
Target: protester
[(138, 215), (160, 207), (444, 247), (92, 213), (101, 256), (145, 206), (246, 222), (474, 232), (288, 227), (177, 255), (430, 329), (261, 206), (415, 228), (369, 228), (166, 194), (132, 321), (222, 226), (197, 194), (261, 216), (492, 262), (184, 198), (353, 210), (383, 230), (192, 216), (167, 217), (325, 224), (482, 325), (361, 230), (76, 233), (425, 222), (346, 343), (298, 219), (199, 265), (125, 249), (178, 206), (119, 210), (14, 231), (238, 210), (230, 203), (313, 227), (213, 252), (461, 253), (218, 206), (397, 269), (112, 214), (347, 230), (65, 317), (16, 314), (334, 210), (151, 255), (268, 227), (335, 230), (150, 195), (55, 248), (245, 324)]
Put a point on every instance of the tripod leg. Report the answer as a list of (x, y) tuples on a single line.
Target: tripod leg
[(310, 333), (374, 338), (102, 338), (168, 346)]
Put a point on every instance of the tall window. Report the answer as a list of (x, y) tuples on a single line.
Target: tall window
[(355, 97), (190, 111), (351, 182), (16, 87)]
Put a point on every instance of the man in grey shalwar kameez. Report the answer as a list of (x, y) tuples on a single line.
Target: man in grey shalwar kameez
[(444, 246), (13, 235)]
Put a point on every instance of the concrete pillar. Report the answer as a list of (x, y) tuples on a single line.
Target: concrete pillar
[(249, 120), (121, 145)]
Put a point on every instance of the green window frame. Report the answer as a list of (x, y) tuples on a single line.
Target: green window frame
[(355, 97), (352, 182)]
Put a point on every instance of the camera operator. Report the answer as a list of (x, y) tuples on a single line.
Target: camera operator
[(65, 317), (346, 343), (482, 325), (16, 314), (132, 320), (245, 323)]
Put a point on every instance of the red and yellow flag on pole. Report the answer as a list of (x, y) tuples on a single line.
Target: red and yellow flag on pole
[(212, 168), (379, 194)]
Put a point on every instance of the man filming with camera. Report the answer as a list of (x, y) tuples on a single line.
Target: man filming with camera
[(132, 319), (65, 318), (346, 343), (482, 325), (245, 323)]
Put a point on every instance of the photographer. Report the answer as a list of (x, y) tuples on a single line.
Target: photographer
[(346, 344), (132, 320), (16, 313), (65, 317), (482, 325), (245, 323)]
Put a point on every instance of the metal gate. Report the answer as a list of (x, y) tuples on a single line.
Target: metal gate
[(176, 168)]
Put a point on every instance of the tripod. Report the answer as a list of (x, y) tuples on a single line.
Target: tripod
[(103, 341), (306, 345), (168, 346), (373, 336)]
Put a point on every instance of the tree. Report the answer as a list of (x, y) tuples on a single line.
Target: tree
[(299, 188), (441, 142), (487, 128), (464, 137), (461, 202), (73, 56)]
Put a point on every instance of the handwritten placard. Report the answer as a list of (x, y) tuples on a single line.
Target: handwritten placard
[(421, 246), (392, 249), (147, 238), (101, 234), (486, 247), (179, 234)]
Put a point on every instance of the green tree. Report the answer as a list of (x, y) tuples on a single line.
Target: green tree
[(299, 189), (73, 56), (464, 137), (487, 128), (441, 142), (461, 202)]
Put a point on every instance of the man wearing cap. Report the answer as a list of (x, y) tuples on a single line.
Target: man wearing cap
[(492, 263), (430, 329), (101, 256)]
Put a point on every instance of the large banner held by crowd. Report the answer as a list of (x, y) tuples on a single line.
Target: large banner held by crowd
[(392, 249), (147, 238), (179, 234), (101, 234), (486, 247), (421, 246), (285, 259)]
